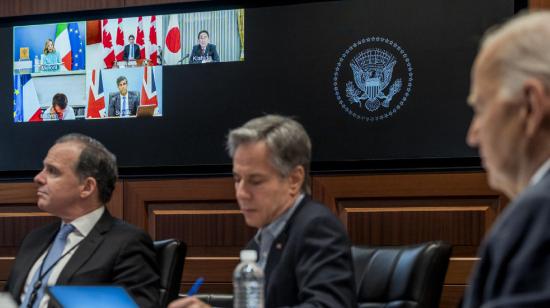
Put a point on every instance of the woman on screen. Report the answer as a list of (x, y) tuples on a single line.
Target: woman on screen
[(50, 59)]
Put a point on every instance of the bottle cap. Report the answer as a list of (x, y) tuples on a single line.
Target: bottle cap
[(249, 255)]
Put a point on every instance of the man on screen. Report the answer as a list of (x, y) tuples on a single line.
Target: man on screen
[(124, 103), (204, 52), (510, 95), (59, 110), (302, 247), (88, 246), (131, 51)]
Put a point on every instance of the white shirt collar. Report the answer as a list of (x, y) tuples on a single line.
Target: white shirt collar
[(84, 224), (539, 174)]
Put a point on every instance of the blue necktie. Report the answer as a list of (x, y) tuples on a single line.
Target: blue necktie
[(51, 258), (124, 107)]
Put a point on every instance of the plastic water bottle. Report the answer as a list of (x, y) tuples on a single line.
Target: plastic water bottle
[(36, 64), (248, 282)]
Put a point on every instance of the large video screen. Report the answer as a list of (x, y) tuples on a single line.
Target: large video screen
[(113, 68), (370, 80)]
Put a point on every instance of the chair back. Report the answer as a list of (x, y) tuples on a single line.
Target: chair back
[(170, 257), (400, 276)]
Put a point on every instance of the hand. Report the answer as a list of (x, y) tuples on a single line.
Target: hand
[(188, 302)]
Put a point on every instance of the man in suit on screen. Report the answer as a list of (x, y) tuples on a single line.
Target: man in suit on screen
[(124, 103), (302, 247), (131, 51), (204, 52), (510, 95), (88, 246)]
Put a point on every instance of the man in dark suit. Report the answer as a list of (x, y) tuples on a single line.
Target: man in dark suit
[(302, 247), (204, 52), (131, 51), (88, 246), (125, 103), (510, 95)]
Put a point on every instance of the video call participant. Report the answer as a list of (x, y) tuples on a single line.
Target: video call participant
[(59, 110), (510, 95), (126, 102), (204, 52), (302, 247), (50, 59), (88, 246), (131, 51)]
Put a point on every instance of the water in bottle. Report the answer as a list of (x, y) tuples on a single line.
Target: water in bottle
[(36, 64), (248, 282)]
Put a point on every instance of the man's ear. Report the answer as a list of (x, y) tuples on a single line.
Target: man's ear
[(88, 187), (296, 178), (538, 105)]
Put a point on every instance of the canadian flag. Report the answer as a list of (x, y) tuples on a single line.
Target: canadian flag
[(119, 51), (96, 99), (153, 53), (140, 39), (148, 88), (107, 41), (172, 53)]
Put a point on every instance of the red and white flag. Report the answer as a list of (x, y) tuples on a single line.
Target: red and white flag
[(107, 41), (172, 53), (119, 50), (96, 99), (153, 49), (140, 38), (148, 88), (31, 106)]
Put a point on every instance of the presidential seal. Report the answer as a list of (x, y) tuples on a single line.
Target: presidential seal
[(373, 79)]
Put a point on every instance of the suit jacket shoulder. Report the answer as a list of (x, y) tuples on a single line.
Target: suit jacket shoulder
[(114, 252), (310, 261), (515, 260)]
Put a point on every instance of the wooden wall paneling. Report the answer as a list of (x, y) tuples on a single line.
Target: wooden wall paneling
[(201, 212), (539, 4), (399, 209), (18, 216), (8, 8), (33, 7), (115, 205)]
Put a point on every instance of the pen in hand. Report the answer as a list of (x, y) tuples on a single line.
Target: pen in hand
[(195, 287)]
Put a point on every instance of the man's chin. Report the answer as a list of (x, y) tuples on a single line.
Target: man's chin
[(251, 222)]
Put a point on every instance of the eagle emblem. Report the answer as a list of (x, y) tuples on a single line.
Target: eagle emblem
[(372, 73)]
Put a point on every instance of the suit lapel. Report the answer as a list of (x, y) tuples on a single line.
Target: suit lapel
[(87, 247), (279, 245), (36, 249)]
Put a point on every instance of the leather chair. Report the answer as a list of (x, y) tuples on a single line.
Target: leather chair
[(400, 276), (170, 257)]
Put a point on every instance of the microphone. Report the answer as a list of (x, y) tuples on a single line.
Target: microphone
[(159, 54), (182, 59)]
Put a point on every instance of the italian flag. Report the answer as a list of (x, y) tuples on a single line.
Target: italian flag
[(63, 45)]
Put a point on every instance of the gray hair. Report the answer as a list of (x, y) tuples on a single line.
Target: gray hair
[(523, 51), (286, 139), (95, 161)]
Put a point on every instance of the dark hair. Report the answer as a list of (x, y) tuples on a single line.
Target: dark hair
[(60, 100), (287, 140), (121, 79), (95, 161), (131, 36), (202, 31)]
